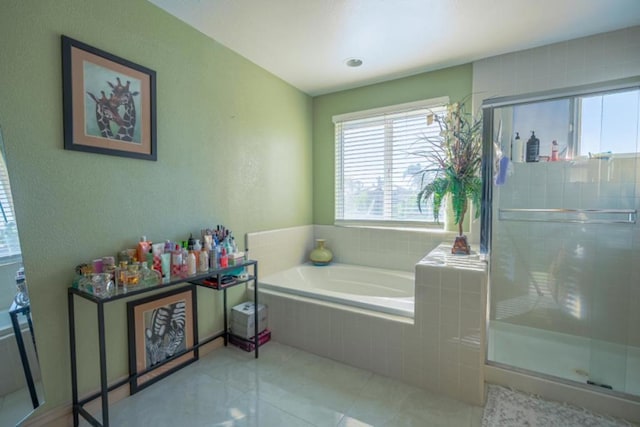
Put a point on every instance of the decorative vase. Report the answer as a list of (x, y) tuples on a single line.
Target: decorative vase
[(320, 255), (461, 246)]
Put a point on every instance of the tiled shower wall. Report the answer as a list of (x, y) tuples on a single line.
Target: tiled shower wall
[(587, 60)]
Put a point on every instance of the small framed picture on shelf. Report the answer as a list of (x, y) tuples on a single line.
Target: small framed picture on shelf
[(161, 327)]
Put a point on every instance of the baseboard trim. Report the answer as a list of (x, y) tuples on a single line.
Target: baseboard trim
[(62, 416)]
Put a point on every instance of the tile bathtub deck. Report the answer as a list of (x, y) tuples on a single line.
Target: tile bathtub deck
[(285, 387)]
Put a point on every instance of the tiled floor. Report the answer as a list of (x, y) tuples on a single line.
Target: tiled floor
[(17, 405), (285, 387)]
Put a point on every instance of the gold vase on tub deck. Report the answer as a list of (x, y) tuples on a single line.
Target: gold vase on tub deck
[(320, 255)]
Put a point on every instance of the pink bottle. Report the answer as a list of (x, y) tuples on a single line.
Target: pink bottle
[(176, 261), (224, 260)]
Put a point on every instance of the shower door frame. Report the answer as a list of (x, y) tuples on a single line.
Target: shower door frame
[(486, 214)]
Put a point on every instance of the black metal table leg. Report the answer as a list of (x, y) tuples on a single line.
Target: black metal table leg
[(255, 307), (104, 387), (72, 351), (33, 337), (224, 310)]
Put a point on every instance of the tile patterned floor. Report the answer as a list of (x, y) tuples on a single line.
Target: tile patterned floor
[(285, 387)]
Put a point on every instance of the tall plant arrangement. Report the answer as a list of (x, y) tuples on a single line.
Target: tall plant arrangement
[(454, 157)]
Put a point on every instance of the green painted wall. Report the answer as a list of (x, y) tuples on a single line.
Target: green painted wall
[(454, 82), (234, 148)]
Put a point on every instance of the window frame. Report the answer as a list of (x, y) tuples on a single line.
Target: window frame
[(377, 114), (8, 216)]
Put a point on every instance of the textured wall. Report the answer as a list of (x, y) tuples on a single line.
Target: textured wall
[(234, 147)]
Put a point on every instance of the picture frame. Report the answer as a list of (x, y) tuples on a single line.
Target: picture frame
[(162, 333), (109, 103)]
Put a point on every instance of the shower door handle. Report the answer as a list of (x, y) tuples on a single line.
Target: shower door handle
[(583, 216)]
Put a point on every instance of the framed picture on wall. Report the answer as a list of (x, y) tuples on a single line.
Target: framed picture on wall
[(162, 333), (109, 103)]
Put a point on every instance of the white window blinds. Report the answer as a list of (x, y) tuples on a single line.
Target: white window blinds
[(376, 163), (9, 242)]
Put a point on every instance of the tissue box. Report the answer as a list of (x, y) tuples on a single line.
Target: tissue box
[(243, 319), (249, 345)]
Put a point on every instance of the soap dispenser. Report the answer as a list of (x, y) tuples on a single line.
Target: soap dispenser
[(533, 148), (517, 149)]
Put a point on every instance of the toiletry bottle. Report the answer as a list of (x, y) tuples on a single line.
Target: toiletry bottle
[(184, 270), (197, 247), (143, 249), (533, 148), (165, 264), (224, 261), (191, 263), (133, 274), (150, 258), (517, 150), (214, 258), (122, 275), (111, 269), (176, 261), (208, 240), (149, 277), (203, 261), (554, 151)]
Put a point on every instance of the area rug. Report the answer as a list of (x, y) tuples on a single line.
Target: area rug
[(510, 408)]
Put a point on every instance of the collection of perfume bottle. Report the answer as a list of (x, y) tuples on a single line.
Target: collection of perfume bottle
[(151, 264)]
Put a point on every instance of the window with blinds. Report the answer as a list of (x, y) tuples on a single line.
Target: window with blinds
[(9, 242), (377, 179)]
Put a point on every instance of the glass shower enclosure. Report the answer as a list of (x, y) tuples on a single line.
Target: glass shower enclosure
[(560, 230)]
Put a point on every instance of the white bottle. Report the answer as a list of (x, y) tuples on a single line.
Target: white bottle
[(517, 150), (203, 261), (191, 264)]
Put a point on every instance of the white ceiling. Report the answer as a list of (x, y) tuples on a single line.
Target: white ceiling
[(306, 42)]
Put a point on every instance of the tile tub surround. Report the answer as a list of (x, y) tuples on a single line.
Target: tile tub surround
[(280, 249), (395, 249), (455, 286), (392, 248), (440, 350)]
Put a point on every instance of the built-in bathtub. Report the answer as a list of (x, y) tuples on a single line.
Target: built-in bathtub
[(376, 289), (437, 348)]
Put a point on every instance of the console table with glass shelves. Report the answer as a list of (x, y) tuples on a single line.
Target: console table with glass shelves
[(204, 279)]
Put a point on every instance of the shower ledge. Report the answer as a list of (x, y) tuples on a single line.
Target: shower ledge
[(441, 256)]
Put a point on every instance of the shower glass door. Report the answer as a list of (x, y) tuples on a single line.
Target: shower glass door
[(563, 237)]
